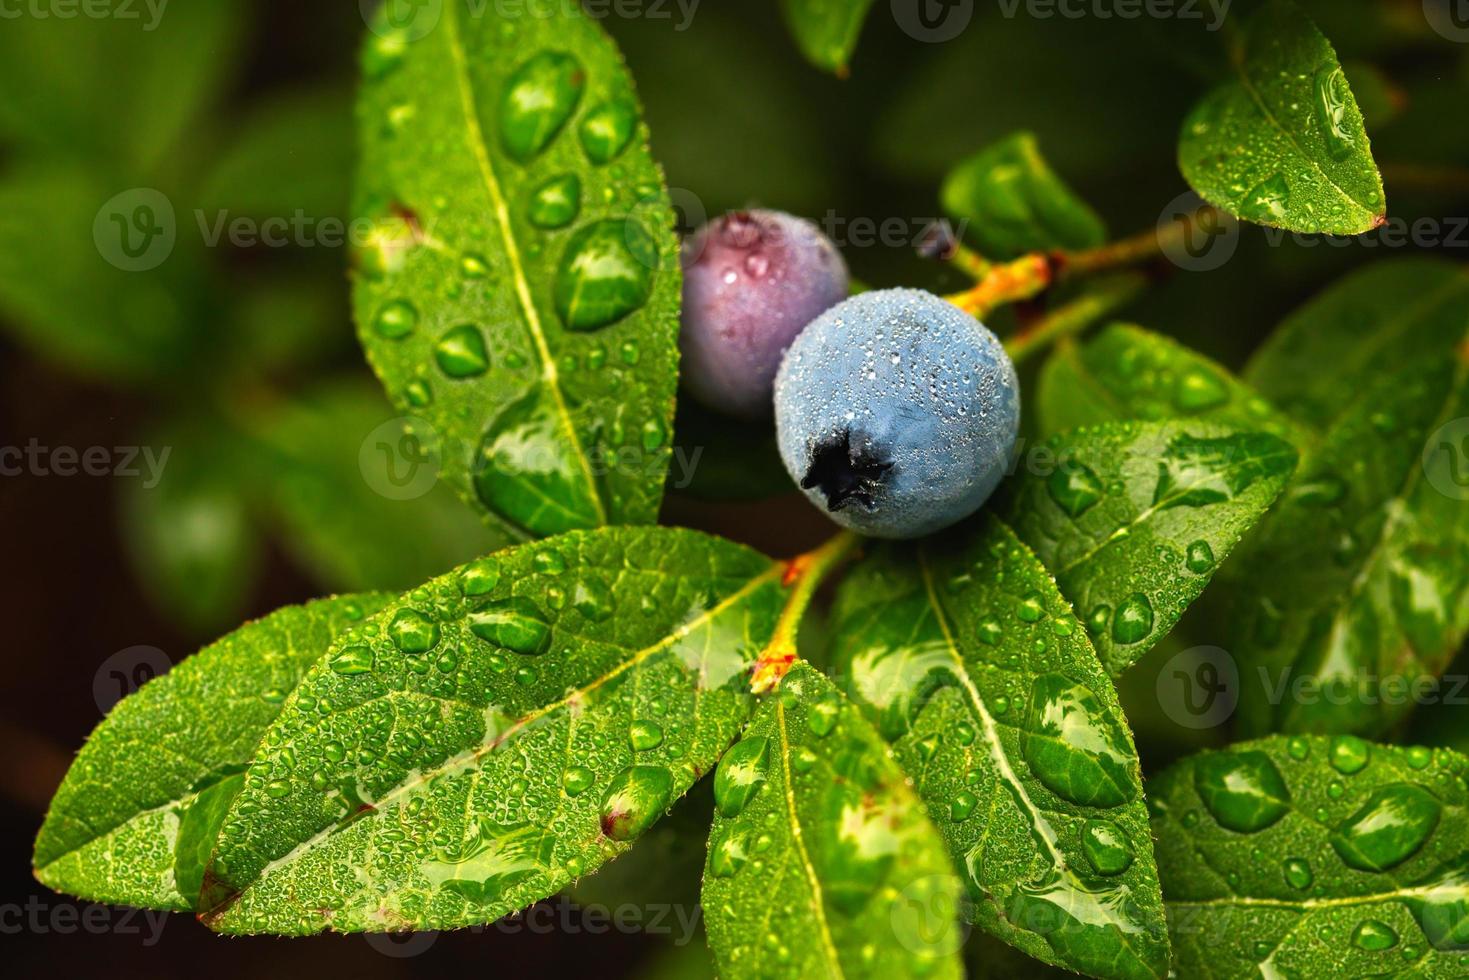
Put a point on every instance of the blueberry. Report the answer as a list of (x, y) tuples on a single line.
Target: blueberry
[(752, 281), (897, 413)]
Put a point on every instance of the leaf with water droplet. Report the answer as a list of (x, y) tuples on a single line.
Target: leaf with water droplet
[(851, 850), (826, 30), (977, 710), (1124, 492), (1358, 581), (433, 777), (523, 240), (1269, 871), (1282, 142), (1127, 374), (115, 822), (1014, 203)]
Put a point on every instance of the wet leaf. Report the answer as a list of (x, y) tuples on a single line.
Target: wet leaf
[(826, 30), (1127, 373), (495, 734), (967, 658), (818, 834), (113, 826), (1282, 142), (519, 289), (1315, 856), (1354, 592), (1133, 519), (1013, 202)]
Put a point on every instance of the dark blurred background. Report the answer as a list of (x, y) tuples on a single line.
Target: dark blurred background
[(240, 362)]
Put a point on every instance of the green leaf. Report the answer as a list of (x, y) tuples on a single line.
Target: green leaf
[(360, 501), (826, 30), (1315, 857), (496, 733), (818, 835), (967, 658), (1282, 143), (1129, 374), (190, 534), (1014, 203), (1382, 319), (1134, 518), (520, 289), (1356, 588), (111, 832)]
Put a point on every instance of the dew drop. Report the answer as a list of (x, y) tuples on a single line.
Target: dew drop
[(1106, 847), (644, 735), (413, 632), (556, 203), (1349, 754), (822, 716), (607, 129), (1298, 873), (395, 320), (538, 100), (1243, 791), (356, 659), (1374, 936), (740, 774), (1389, 828), (728, 855), (1075, 488), (1200, 558), (605, 274), (1333, 99), (962, 805), (460, 352), (479, 577), (1134, 619), (515, 623), (635, 799), (1073, 747)]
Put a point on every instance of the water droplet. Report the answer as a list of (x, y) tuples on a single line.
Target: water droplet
[(654, 435), (1030, 609), (593, 599), (548, 561), (822, 716), (357, 659), (1333, 100), (413, 632), (607, 129), (1419, 756), (728, 855), (1374, 936), (1298, 748), (576, 780), (1243, 791), (395, 320), (1199, 390), (539, 98), (1349, 754), (384, 52), (1389, 828), (1106, 847), (1441, 906), (525, 676), (479, 577), (803, 760), (605, 274), (418, 393), (1075, 488), (460, 352), (635, 799), (525, 460), (1134, 619), (1097, 620), (277, 789), (1267, 201), (1073, 746), (991, 632), (474, 267), (515, 623), (556, 203), (740, 774), (1298, 873), (1200, 557), (962, 805), (644, 735)]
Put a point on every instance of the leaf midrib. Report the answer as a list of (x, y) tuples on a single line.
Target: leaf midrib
[(480, 148)]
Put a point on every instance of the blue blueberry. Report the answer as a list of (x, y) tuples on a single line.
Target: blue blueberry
[(752, 281), (897, 413)]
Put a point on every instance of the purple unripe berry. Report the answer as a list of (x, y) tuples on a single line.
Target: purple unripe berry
[(752, 281)]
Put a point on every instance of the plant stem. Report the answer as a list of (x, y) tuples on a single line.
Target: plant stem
[(1076, 316), (1030, 275), (803, 576)]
